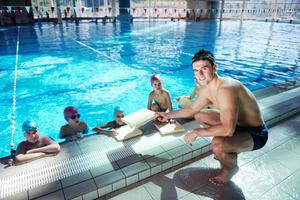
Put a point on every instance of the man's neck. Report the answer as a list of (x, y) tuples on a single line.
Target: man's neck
[(213, 84)]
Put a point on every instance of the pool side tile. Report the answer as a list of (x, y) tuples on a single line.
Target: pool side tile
[(172, 144), (103, 169), (91, 195), (44, 189), (80, 189), (77, 178), (152, 152), (135, 168), (53, 196), (18, 196), (119, 184), (129, 160), (109, 178), (105, 190)]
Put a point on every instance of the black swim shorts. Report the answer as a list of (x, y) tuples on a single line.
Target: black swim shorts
[(258, 133)]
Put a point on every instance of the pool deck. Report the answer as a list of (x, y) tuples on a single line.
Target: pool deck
[(99, 165)]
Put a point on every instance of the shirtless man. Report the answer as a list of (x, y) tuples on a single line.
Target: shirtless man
[(159, 99), (236, 125)]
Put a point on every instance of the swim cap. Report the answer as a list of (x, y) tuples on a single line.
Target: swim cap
[(117, 110), (29, 125), (69, 111), (154, 77)]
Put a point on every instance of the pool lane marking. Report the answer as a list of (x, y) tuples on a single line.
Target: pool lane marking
[(100, 53), (13, 116)]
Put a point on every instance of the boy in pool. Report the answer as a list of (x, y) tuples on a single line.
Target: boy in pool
[(34, 146), (159, 99), (109, 127), (75, 129)]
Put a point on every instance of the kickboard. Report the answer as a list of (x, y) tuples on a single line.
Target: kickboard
[(166, 128), (139, 117), (126, 132)]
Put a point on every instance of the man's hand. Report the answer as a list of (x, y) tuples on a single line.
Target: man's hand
[(162, 116), (190, 137)]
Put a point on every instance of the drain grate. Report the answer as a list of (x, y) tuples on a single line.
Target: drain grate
[(32, 178), (11, 185)]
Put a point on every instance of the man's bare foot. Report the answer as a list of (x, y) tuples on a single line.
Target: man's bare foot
[(224, 177)]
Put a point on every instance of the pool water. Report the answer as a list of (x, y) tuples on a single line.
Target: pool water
[(96, 67)]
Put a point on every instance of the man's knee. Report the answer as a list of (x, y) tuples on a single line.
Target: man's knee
[(199, 117), (217, 145)]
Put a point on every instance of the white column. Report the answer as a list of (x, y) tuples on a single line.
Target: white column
[(274, 7), (243, 10), (221, 11)]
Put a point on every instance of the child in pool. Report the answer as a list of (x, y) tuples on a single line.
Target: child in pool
[(109, 127), (75, 128), (159, 99)]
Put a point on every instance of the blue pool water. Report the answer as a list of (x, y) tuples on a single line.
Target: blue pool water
[(96, 67)]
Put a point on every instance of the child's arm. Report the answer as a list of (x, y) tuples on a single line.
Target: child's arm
[(169, 102), (102, 129), (51, 147), (85, 128), (24, 158), (62, 134), (150, 97)]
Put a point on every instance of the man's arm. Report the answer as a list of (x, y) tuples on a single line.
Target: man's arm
[(51, 147), (228, 104), (187, 112)]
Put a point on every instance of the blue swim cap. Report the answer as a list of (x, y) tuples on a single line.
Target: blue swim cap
[(117, 110), (29, 125)]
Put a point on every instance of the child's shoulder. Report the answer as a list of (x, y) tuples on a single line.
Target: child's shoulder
[(82, 124), (166, 92), (151, 93), (65, 128)]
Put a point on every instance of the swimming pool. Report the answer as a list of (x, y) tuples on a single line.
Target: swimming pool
[(96, 67)]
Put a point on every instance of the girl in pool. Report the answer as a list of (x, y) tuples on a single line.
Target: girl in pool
[(159, 99)]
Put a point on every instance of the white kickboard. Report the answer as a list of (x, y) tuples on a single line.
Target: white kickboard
[(139, 117), (166, 128), (127, 132)]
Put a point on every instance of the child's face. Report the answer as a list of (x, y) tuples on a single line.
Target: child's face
[(119, 116), (32, 136), (74, 119), (157, 86)]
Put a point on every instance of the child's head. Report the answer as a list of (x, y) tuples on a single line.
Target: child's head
[(156, 82), (118, 113), (30, 131), (71, 115)]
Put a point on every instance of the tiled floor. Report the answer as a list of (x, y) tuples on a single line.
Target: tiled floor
[(270, 173)]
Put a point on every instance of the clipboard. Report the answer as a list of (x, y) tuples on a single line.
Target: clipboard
[(139, 118), (126, 132), (167, 128)]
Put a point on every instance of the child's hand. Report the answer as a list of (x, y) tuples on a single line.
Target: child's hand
[(113, 132)]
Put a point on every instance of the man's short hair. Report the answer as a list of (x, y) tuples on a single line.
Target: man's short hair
[(204, 55)]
